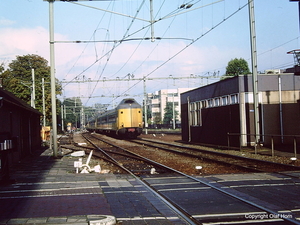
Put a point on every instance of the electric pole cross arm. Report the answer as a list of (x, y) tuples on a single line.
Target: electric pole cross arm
[(141, 79)]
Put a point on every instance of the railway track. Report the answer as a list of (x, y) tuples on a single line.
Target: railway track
[(195, 200), (252, 165)]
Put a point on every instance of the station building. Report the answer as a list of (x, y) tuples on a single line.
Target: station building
[(20, 127), (223, 112)]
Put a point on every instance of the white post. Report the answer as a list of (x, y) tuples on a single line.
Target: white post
[(33, 89), (62, 118), (44, 108), (151, 21), (189, 117), (173, 111), (145, 106)]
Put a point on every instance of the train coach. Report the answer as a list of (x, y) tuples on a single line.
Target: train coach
[(124, 121)]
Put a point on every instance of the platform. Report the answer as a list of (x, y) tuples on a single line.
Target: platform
[(48, 191)]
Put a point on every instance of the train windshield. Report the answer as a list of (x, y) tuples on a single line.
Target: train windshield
[(129, 101)]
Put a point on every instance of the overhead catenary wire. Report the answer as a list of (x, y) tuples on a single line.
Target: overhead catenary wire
[(137, 12), (141, 39), (85, 45), (106, 54), (192, 42), (158, 38), (197, 39), (119, 41), (155, 38)]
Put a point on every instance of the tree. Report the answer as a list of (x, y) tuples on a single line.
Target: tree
[(157, 119), (236, 67), (17, 79), (168, 117), (1, 68)]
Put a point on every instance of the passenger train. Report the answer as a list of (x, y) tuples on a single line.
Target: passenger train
[(124, 121)]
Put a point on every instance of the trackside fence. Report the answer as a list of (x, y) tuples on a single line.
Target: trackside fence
[(280, 145)]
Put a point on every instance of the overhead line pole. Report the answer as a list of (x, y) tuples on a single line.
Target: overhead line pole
[(151, 21), (254, 72), (52, 74)]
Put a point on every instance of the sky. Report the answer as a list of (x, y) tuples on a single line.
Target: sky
[(194, 41)]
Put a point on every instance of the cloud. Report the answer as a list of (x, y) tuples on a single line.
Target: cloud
[(6, 22), (143, 58), (23, 41), (90, 60)]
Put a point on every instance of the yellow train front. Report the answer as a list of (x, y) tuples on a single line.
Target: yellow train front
[(124, 121)]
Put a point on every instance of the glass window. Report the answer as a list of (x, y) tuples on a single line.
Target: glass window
[(217, 102), (209, 103), (195, 113), (224, 100), (234, 99)]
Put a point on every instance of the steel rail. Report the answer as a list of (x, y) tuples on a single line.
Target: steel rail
[(251, 169), (184, 215), (231, 195), (291, 220), (290, 167)]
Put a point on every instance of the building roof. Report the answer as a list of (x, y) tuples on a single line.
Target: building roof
[(11, 99)]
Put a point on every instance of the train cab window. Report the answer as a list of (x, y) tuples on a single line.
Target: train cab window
[(129, 101)]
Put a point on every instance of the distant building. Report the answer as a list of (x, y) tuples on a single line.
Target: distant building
[(157, 102), (210, 113)]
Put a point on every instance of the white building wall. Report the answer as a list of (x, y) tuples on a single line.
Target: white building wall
[(157, 101)]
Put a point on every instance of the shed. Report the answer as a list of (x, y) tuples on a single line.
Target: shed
[(20, 123)]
